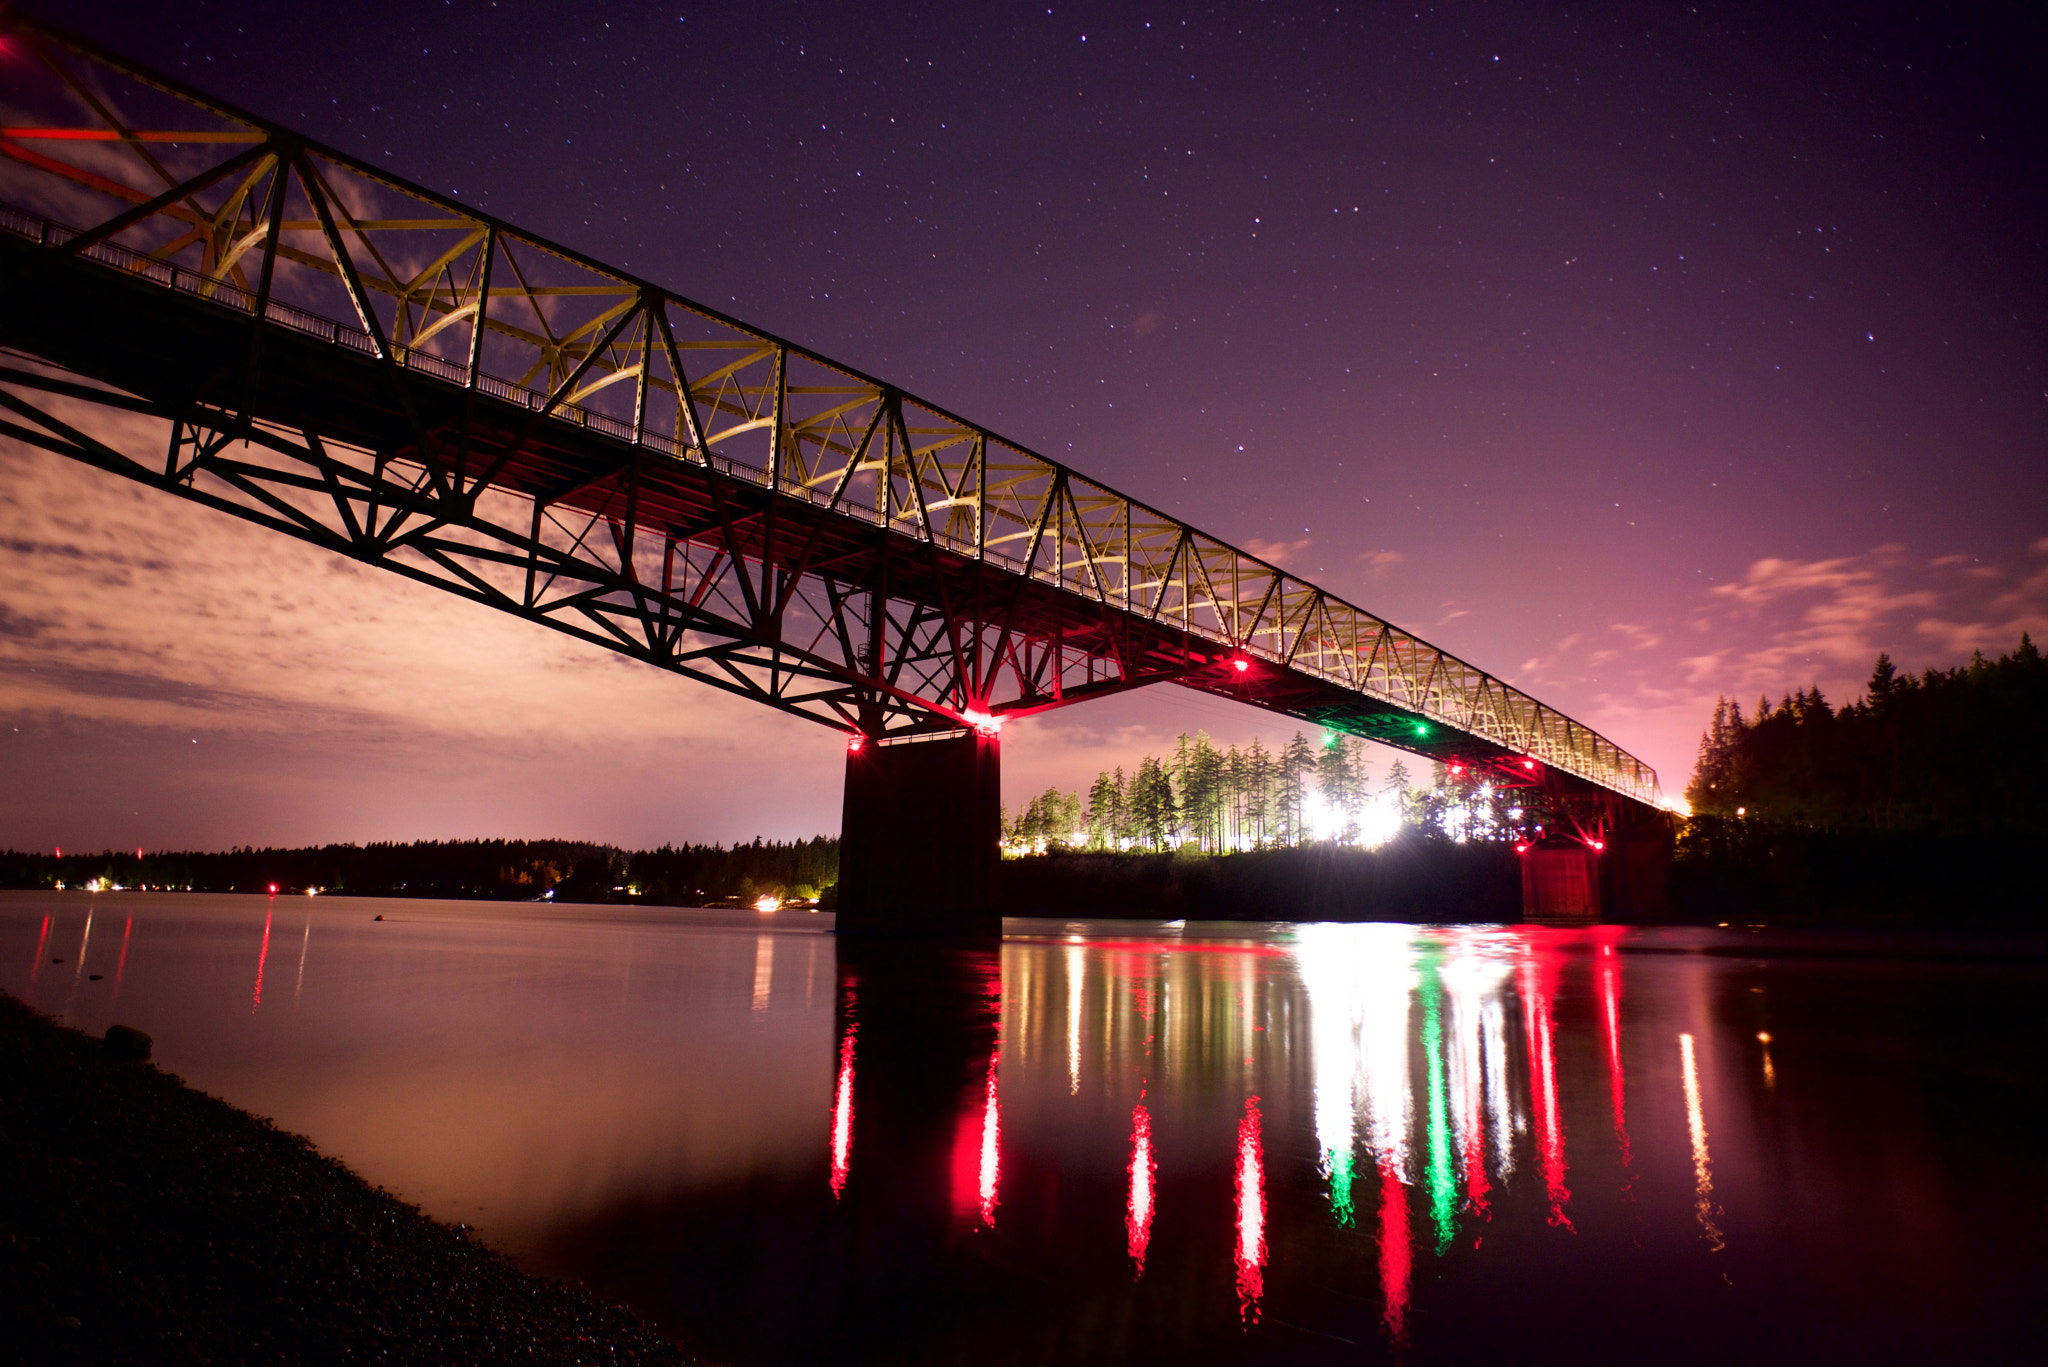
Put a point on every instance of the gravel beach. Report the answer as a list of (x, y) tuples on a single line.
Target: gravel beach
[(142, 1221)]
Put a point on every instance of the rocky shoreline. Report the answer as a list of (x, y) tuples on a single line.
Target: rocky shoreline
[(142, 1221)]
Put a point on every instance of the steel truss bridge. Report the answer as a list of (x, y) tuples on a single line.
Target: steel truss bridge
[(199, 300)]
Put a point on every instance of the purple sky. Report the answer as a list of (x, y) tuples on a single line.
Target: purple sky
[(1637, 354)]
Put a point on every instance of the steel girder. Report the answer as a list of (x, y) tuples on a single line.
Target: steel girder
[(382, 371)]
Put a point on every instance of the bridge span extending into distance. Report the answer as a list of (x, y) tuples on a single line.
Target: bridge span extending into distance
[(326, 350)]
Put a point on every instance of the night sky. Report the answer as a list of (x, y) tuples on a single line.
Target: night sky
[(1638, 354)]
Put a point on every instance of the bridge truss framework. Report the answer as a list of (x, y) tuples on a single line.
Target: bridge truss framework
[(383, 372)]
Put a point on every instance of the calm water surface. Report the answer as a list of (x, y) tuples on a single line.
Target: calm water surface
[(1128, 1142)]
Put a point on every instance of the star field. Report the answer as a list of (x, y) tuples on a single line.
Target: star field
[(1528, 328)]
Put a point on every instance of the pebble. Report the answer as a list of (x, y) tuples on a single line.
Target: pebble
[(125, 1041)]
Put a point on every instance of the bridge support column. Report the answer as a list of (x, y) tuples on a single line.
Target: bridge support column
[(919, 838), (1638, 866), (1623, 880), (1560, 882)]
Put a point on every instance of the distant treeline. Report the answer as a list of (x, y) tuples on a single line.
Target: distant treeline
[(572, 870), (1922, 800)]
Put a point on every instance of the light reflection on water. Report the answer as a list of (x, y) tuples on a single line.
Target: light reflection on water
[(1127, 1142)]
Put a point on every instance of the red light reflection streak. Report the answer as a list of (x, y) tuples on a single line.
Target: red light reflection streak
[(1610, 1022), (261, 955), (1477, 1187), (1396, 1259), (991, 1144), (1138, 1210), (121, 964), (42, 943), (842, 1111), (1251, 1214), (1537, 983)]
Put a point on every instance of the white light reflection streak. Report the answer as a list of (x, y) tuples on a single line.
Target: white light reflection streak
[(78, 972), (1702, 1167), (1358, 980), (1327, 961), (305, 943), (86, 940), (764, 970), (1076, 962), (1502, 1120), (1387, 979), (1472, 980)]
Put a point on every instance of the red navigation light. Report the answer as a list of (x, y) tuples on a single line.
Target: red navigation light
[(1457, 768), (1240, 664), (854, 743), (273, 889), (1528, 764), (1521, 849), (1599, 844)]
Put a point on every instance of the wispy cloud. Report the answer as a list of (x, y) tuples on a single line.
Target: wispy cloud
[(1639, 638), (1787, 624), (126, 612), (1278, 552)]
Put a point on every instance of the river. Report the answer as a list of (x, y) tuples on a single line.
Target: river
[(1116, 1141)]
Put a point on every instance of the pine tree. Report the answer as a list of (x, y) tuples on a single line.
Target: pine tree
[(1337, 779), (1153, 811), (1258, 764), (1104, 816), (1201, 788), (1884, 679), (1234, 773), (1296, 762)]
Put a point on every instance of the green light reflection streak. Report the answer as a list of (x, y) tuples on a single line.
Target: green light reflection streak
[(1443, 1182), (1341, 1166)]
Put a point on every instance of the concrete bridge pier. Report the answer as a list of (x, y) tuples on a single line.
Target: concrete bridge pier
[(1621, 879), (919, 838), (1560, 882)]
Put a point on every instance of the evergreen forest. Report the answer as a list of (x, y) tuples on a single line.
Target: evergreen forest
[(1950, 753), (531, 870)]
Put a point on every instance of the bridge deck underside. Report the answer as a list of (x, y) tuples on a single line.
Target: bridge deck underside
[(167, 351)]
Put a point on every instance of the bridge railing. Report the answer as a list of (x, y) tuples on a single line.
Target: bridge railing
[(456, 297)]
